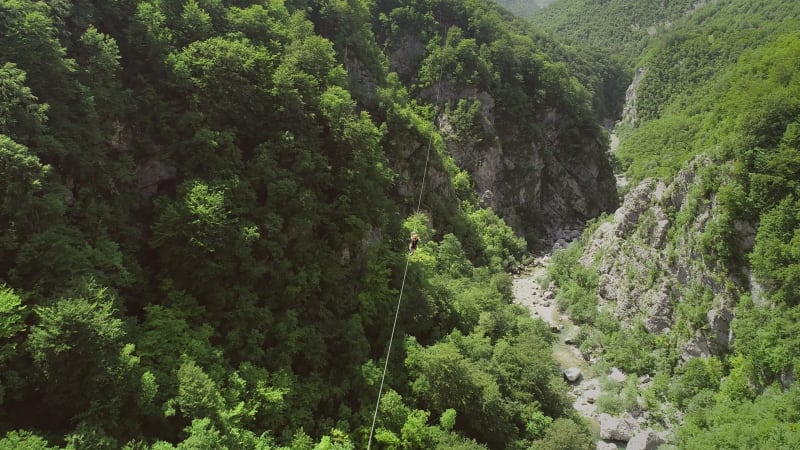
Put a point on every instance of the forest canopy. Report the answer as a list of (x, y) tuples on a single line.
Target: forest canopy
[(204, 207)]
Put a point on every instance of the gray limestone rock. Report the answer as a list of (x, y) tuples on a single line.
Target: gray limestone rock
[(645, 440), (572, 374), (719, 320), (603, 445), (617, 375), (616, 428), (696, 347)]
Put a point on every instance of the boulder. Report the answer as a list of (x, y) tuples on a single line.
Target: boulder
[(616, 428), (572, 374), (603, 445), (617, 375), (696, 347), (645, 440)]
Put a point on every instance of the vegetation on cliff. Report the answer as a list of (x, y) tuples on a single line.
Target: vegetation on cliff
[(718, 103)]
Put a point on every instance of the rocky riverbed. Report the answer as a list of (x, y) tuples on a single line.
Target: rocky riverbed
[(624, 431)]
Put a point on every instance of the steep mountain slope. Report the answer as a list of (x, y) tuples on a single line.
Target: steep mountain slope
[(693, 280), (524, 8), (204, 214), (500, 120), (622, 27)]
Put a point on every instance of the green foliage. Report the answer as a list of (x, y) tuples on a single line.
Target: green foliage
[(769, 421), (198, 397), (446, 379), (11, 324), (502, 248), (24, 440), (20, 114), (78, 348), (566, 434), (695, 376), (453, 374), (776, 258), (265, 23), (11, 309), (232, 176), (623, 27), (768, 341), (577, 284), (203, 435), (468, 122), (660, 148), (457, 61)]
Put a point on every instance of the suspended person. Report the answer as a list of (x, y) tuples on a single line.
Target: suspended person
[(412, 246)]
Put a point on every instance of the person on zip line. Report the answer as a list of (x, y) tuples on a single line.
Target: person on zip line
[(412, 246)]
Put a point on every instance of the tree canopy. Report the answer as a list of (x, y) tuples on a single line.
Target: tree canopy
[(203, 213)]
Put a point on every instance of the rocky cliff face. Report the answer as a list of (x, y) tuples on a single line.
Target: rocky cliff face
[(539, 183), (536, 185), (648, 261), (630, 111)]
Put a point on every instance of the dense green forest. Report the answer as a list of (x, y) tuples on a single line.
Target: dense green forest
[(622, 27), (719, 100), (205, 207), (524, 8)]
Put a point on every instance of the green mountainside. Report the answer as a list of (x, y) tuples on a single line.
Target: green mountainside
[(524, 8), (695, 280), (204, 214), (205, 208), (621, 27)]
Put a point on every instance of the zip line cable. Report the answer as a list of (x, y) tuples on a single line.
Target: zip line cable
[(408, 258)]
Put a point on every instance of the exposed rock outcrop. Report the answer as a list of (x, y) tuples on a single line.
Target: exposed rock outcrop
[(537, 177), (532, 182), (643, 275), (617, 428), (646, 440), (406, 57), (630, 112)]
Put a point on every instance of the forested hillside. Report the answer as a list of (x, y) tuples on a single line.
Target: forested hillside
[(524, 8), (205, 211), (694, 280), (621, 27)]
